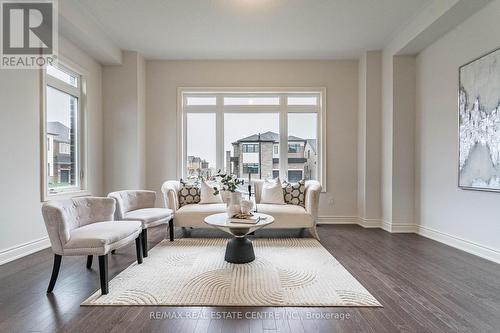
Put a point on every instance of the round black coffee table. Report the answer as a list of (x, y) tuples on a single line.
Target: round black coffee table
[(239, 249)]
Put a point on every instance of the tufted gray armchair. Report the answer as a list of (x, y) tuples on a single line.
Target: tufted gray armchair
[(139, 205), (85, 227)]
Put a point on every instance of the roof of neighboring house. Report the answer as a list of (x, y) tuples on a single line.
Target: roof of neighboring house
[(313, 143), (60, 131), (196, 159), (268, 137)]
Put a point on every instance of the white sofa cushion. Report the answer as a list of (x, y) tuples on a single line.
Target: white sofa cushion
[(149, 217), (193, 215), (287, 216), (272, 193), (207, 195), (99, 236)]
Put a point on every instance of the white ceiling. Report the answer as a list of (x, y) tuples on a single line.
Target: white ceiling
[(251, 29)]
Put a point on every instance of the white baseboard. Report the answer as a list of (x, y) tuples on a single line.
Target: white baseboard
[(369, 223), (337, 220), (461, 244), (453, 241), (399, 227), (18, 251)]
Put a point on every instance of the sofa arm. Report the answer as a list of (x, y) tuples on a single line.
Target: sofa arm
[(170, 190), (313, 190)]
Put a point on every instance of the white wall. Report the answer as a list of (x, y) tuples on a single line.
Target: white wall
[(340, 77), (468, 219), (124, 123), (23, 229)]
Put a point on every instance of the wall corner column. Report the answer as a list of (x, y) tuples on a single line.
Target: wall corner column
[(369, 139), (124, 112)]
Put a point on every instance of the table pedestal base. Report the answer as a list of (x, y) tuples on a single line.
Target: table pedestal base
[(239, 250)]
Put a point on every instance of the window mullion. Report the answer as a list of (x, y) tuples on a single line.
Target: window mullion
[(283, 150), (183, 173), (219, 149)]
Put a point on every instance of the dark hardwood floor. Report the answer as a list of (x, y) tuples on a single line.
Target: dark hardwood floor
[(424, 286)]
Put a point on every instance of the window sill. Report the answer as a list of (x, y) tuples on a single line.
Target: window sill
[(66, 195)]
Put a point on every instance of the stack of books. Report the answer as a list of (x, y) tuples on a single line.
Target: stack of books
[(247, 220)]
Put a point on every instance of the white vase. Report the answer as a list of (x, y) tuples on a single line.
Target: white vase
[(235, 198), (226, 196), (233, 205)]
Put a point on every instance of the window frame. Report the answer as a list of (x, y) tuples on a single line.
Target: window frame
[(80, 93), (282, 109)]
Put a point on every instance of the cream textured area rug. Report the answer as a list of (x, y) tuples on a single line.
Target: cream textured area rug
[(192, 272)]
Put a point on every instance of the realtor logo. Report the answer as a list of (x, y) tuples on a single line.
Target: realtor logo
[(28, 37)]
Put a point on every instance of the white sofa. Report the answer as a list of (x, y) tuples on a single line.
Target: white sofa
[(286, 216)]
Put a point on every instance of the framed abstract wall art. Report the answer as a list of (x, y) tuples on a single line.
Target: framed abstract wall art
[(479, 123)]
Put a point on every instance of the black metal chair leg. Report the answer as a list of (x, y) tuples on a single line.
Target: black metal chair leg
[(89, 261), (138, 248), (55, 272), (103, 274), (171, 229), (145, 243)]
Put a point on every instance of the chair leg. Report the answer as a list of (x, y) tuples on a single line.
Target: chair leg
[(103, 274), (171, 229), (138, 248), (55, 272), (89, 261), (145, 243)]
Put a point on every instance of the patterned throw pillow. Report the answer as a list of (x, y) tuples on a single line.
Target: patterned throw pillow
[(189, 193), (295, 193)]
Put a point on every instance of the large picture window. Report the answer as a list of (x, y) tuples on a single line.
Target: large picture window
[(253, 134), (62, 151)]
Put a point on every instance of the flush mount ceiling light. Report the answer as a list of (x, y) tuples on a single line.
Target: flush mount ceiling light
[(258, 4)]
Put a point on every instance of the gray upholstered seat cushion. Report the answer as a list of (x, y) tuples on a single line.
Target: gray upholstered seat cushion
[(149, 217), (101, 237)]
